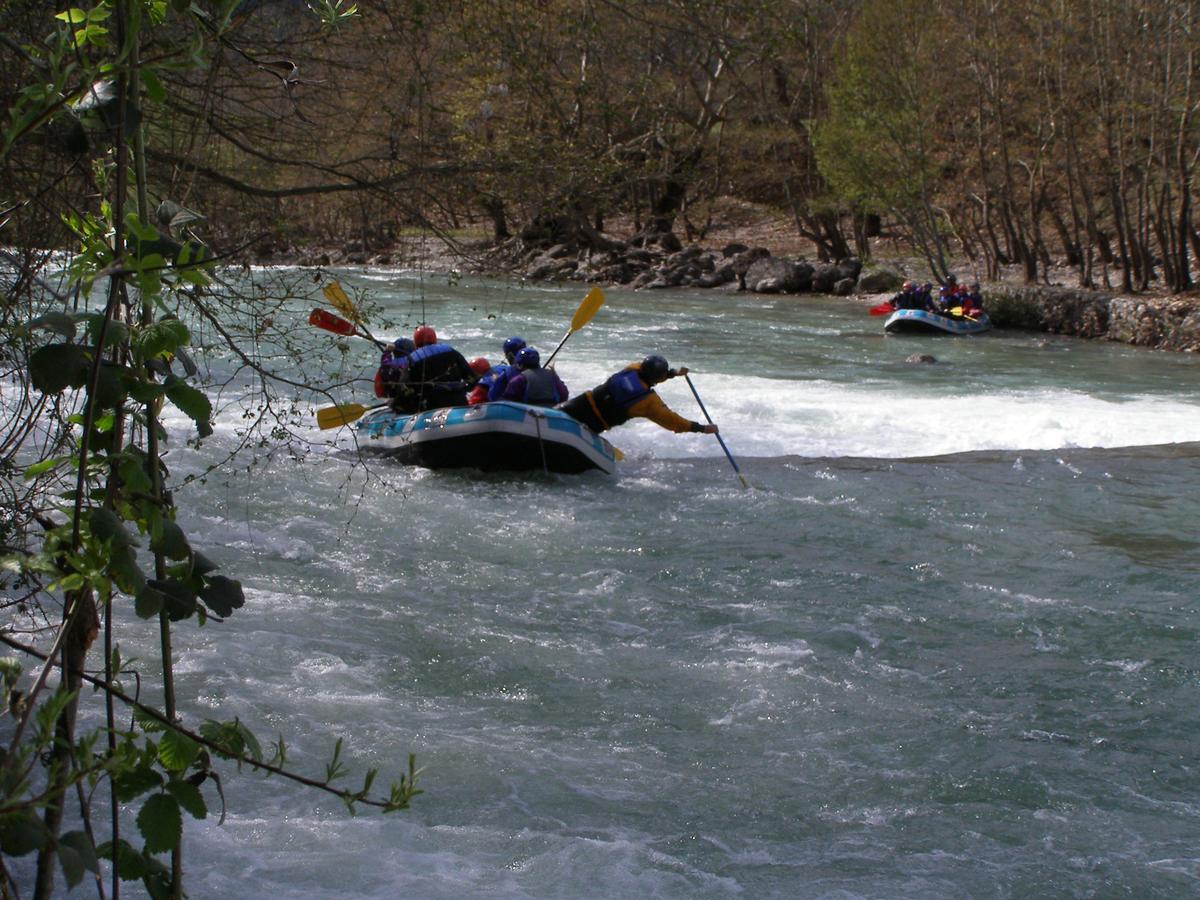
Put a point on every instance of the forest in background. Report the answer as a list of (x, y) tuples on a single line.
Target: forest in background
[(1023, 132)]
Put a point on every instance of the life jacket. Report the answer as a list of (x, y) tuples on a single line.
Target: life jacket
[(498, 379), (541, 387), (614, 398), (390, 373), (434, 362)]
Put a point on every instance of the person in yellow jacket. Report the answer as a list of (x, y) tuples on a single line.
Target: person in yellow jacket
[(630, 394)]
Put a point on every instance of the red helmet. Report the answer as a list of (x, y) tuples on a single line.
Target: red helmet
[(480, 366), (424, 335)]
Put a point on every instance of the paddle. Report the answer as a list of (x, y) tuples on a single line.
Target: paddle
[(329, 322), (958, 311), (587, 308), (334, 293), (717, 435), (882, 309), (343, 414)]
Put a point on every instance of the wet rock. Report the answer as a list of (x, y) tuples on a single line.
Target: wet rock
[(773, 275), (844, 287), (920, 359), (880, 281)]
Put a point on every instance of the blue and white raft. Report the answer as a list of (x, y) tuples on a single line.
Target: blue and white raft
[(490, 436), (922, 321)]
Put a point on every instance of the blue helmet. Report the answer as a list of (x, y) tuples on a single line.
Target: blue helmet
[(512, 345), (654, 369), (528, 358), (403, 345)]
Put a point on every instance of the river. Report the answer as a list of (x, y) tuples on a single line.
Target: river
[(944, 646)]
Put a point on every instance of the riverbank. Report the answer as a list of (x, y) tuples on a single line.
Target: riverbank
[(756, 260)]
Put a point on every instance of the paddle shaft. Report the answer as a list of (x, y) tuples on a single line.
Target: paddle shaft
[(717, 435), (591, 302), (559, 347)]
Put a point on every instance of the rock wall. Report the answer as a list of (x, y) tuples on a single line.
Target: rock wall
[(1161, 323)]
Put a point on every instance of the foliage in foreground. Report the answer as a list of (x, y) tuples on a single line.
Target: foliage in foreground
[(93, 350)]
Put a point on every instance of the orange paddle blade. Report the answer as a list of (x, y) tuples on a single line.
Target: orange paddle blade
[(329, 322)]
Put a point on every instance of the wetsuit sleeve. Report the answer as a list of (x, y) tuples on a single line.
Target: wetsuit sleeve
[(652, 408), (561, 389), (464, 369)]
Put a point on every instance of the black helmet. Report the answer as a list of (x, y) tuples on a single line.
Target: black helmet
[(654, 369)]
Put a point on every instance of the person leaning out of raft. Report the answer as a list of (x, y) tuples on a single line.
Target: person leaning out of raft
[(534, 385), (438, 373), (630, 394)]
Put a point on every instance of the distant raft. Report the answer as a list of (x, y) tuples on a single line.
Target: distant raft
[(490, 436), (922, 321)]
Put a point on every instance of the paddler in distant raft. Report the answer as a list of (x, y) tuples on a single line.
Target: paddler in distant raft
[(630, 394)]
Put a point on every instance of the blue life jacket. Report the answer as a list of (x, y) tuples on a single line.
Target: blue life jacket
[(500, 376), (614, 398), (421, 354)]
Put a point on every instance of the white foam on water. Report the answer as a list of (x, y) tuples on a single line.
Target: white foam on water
[(826, 419)]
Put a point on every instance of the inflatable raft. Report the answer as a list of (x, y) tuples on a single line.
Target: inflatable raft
[(490, 436), (921, 321)]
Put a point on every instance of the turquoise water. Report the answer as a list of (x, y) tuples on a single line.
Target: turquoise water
[(945, 646)]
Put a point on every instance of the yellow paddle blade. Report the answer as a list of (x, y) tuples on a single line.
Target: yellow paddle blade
[(592, 302), (617, 454), (342, 414), (334, 293), (956, 311)]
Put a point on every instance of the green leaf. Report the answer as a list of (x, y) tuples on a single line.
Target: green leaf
[(177, 751), (73, 16), (192, 402), (56, 367), (133, 475), (202, 565), (132, 862), (174, 597), (132, 783), (110, 387), (160, 823), (189, 798), (145, 391), (115, 332), (58, 322), (172, 216), (44, 466), (154, 88), (222, 595), (171, 542), (161, 338), (125, 572), (72, 582), (22, 833), (147, 722), (107, 526), (76, 856)]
